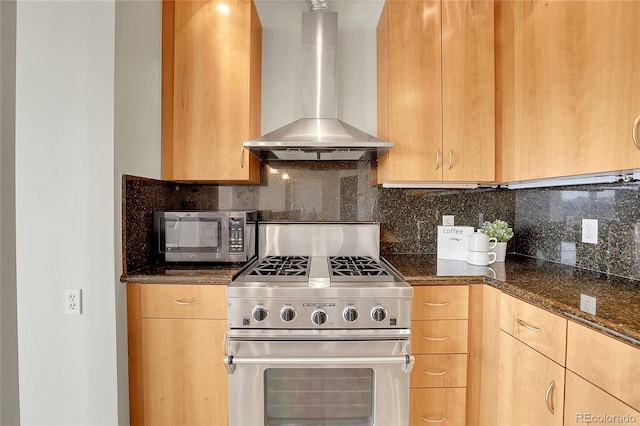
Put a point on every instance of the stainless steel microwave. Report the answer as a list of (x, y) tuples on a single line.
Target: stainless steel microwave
[(206, 236)]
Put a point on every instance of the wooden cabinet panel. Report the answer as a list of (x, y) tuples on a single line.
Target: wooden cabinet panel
[(184, 301), (440, 302), (439, 371), (185, 381), (211, 90), (610, 364), (468, 91), (530, 386), (176, 370), (568, 87), (584, 399), (444, 406), (540, 329), (439, 336), (436, 90), (409, 90)]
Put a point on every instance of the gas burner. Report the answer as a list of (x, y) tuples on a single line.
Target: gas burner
[(360, 266), (281, 266)]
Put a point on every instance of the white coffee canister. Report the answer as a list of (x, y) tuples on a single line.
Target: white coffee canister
[(479, 241)]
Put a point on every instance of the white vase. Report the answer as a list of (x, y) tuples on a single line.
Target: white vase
[(500, 251)]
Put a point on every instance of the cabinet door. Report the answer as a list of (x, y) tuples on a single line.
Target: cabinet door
[(530, 386), (585, 402), (211, 90), (410, 90), (468, 91), (184, 379), (569, 83)]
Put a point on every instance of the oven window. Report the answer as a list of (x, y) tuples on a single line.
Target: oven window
[(319, 396)]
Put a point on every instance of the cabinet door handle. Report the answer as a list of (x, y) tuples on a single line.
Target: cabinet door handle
[(242, 157), (549, 395), (434, 373), (634, 133), (436, 339), (182, 302), (436, 304), (528, 326), (450, 159), (428, 420), (437, 159)]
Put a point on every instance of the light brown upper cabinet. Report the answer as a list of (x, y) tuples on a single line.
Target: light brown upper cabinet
[(436, 90), (211, 90), (569, 80)]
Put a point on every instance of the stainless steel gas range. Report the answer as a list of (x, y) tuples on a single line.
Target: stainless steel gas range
[(318, 330)]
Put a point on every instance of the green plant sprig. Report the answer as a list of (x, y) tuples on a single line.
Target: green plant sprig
[(498, 229)]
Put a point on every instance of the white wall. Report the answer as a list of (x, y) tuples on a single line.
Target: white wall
[(64, 211), (137, 134), (9, 405)]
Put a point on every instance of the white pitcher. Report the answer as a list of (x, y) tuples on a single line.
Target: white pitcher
[(479, 241)]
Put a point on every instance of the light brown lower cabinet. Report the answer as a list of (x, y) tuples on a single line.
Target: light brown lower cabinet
[(441, 406), (530, 386), (176, 371), (586, 403), (439, 334)]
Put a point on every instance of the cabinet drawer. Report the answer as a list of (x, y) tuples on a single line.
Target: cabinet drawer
[(611, 365), (442, 406), (540, 329), (440, 302), (439, 336), (585, 399), (440, 371), (183, 301)]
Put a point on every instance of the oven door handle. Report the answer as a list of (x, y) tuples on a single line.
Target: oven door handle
[(406, 361)]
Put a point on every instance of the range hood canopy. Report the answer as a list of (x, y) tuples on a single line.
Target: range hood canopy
[(319, 134)]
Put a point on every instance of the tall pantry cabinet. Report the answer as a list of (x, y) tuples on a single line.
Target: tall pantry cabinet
[(211, 90), (568, 73), (435, 86)]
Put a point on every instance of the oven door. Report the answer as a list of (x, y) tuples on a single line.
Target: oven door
[(311, 382)]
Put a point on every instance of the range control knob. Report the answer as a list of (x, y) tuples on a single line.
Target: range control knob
[(260, 313), (350, 314), (319, 317), (287, 314), (378, 314)]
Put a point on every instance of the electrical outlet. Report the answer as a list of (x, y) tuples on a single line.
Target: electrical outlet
[(590, 231), (448, 220), (588, 304), (73, 301)]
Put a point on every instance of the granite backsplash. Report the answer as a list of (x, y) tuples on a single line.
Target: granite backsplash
[(546, 221)]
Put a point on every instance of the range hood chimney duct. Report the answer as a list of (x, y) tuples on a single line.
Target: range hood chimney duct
[(319, 134)]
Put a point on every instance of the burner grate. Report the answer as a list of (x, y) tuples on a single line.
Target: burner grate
[(281, 266), (356, 266)]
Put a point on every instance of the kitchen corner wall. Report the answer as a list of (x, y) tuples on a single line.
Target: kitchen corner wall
[(547, 221)]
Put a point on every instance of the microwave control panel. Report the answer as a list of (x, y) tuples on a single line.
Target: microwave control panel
[(236, 235)]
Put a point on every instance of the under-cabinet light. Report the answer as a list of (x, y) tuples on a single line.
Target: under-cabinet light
[(568, 181), (430, 185)]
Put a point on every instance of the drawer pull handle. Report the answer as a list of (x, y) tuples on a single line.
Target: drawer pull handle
[(181, 302), (436, 339), (428, 420), (436, 304), (548, 395), (435, 373), (528, 326)]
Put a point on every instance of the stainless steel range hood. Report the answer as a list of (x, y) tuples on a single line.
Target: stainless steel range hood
[(319, 135)]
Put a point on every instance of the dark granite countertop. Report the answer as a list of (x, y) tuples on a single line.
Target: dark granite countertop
[(549, 285), (178, 273)]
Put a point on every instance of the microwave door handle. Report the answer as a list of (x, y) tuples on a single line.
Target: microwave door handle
[(406, 361)]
